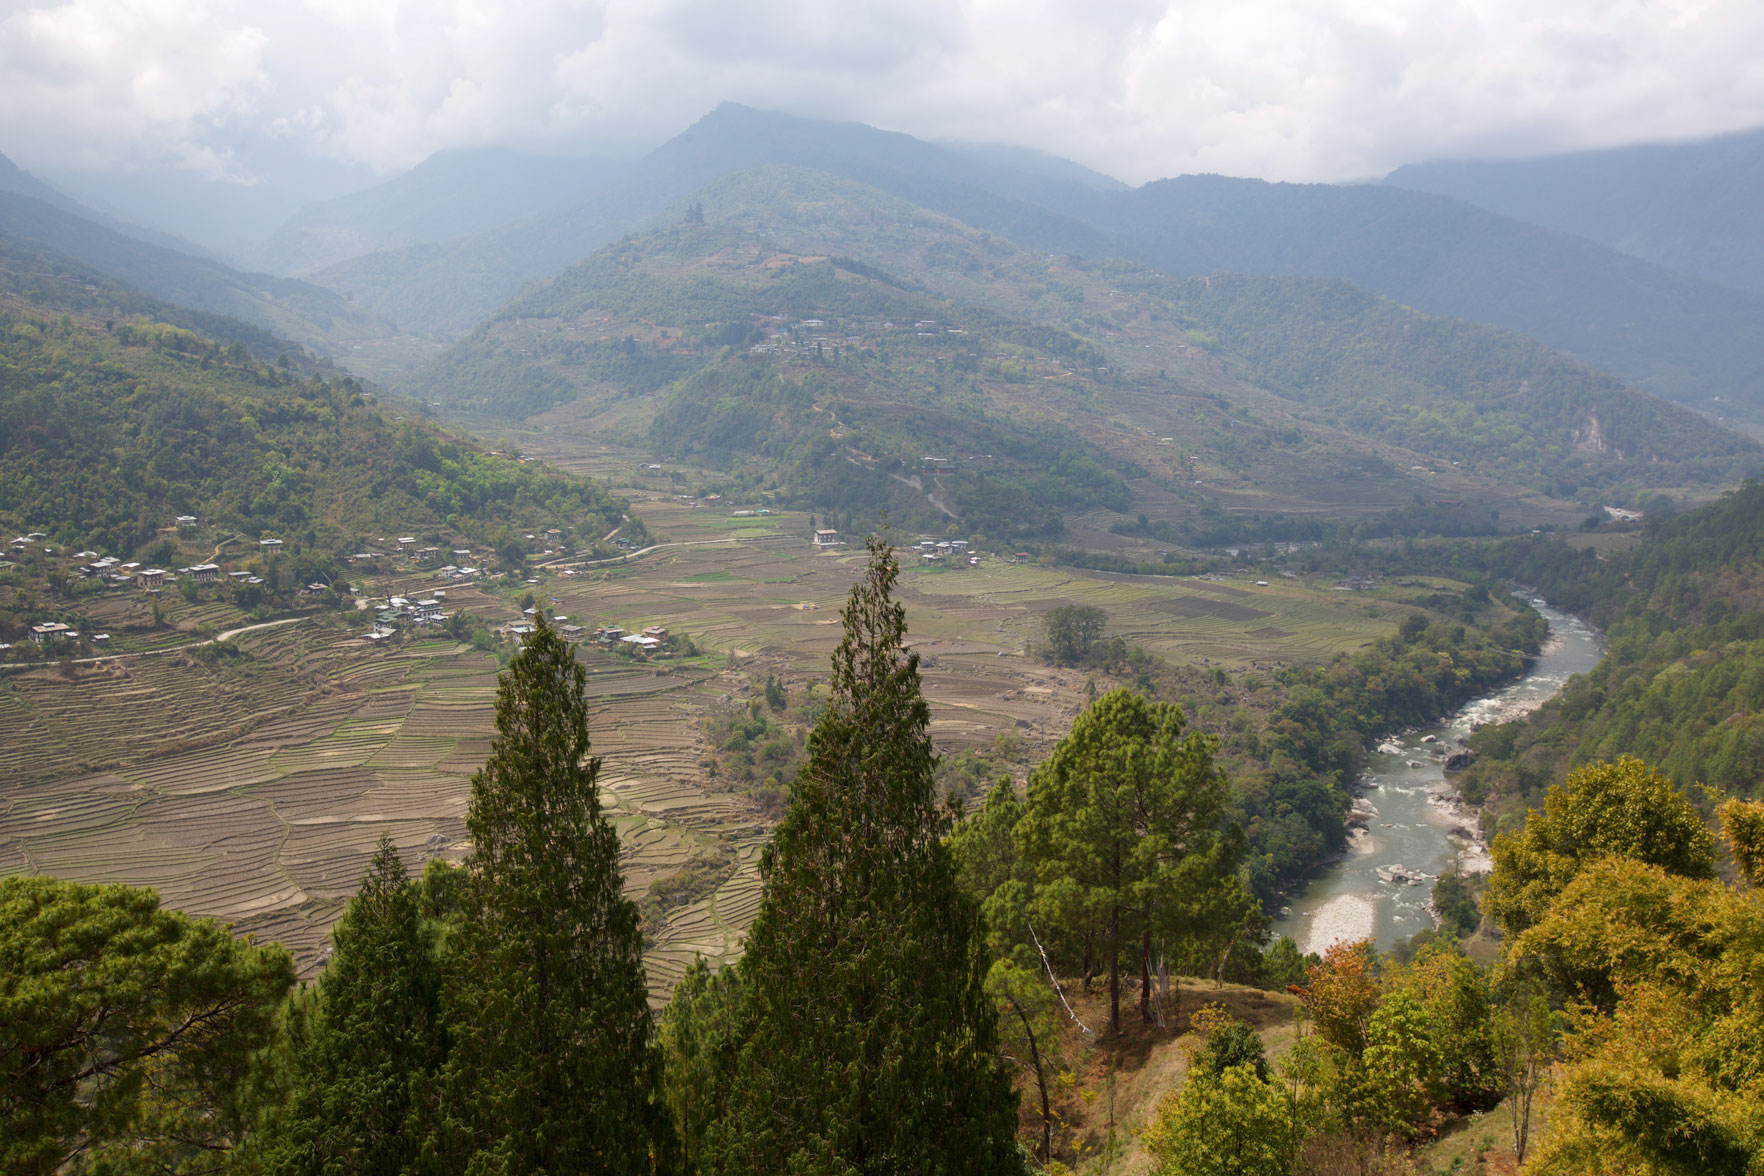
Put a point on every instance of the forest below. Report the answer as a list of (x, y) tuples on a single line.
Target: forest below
[(905, 997)]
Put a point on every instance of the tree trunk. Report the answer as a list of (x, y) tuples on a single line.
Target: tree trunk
[(1115, 971), (1040, 1082), (1145, 983)]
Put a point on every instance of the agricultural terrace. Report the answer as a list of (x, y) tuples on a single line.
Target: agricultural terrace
[(249, 781)]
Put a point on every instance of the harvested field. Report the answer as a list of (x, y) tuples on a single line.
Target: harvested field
[(253, 788)]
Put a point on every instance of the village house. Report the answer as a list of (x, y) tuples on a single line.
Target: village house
[(186, 522), (150, 578), (51, 631), (203, 573), (428, 612), (572, 632), (826, 537), (269, 544)]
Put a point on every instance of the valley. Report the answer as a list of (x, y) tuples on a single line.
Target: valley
[(801, 629), (249, 780)]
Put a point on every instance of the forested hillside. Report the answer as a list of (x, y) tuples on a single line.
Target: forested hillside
[(309, 315), (840, 377), (1683, 683), (845, 337), (113, 420), (1492, 402)]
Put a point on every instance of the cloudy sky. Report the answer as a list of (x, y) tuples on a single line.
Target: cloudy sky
[(1283, 89)]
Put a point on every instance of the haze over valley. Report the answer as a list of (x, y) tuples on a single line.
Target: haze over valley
[(977, 551)]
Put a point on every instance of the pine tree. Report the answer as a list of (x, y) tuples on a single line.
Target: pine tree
[(869, 1042), (554, 1067), (367, 1055), (1126, 827)]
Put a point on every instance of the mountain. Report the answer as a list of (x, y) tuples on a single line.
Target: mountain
[(19, 182), (1691, 207), (309, 315), (452, 194), (1688, 340), (443, 289), (1682, 337), (856, 345), (113, 419)]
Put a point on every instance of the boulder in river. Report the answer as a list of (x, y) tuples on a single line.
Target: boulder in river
[(1459, 762)]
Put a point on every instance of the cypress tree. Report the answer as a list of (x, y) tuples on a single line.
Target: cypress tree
[(554, 1067), (869, 1041), (368, 1046)]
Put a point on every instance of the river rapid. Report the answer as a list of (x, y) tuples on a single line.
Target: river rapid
[(1410, 825)]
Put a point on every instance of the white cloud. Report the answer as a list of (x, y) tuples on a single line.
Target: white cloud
[(1289, 89)]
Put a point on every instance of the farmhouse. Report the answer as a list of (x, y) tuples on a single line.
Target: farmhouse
[(428, 554), (572, 632), (203, 573), (646, 644), (150, 577), (51, 631), (270, 544), (656, 631), (186, 522), (427, 612), (825, 537)]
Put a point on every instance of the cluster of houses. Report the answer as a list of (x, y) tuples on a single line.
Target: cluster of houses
[(952, 552), (401, 610), (651, 640)]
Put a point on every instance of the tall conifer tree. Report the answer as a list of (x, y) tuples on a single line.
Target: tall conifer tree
[(869, 1042), (367, 1054), (554, 1068)]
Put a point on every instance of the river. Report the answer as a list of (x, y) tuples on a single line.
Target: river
[(1410, 822)]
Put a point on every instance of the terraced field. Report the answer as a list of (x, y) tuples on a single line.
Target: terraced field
[(254, 792), (253, 787)]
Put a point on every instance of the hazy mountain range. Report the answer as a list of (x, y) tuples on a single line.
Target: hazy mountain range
[(1607, 272)]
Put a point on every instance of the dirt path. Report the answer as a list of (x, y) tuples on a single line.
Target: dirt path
[(631, 555), (109, 657)]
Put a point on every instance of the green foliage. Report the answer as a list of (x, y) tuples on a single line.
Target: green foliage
[(126, 1031), (1669, 1077), (553, 1065), (369, 1046), (1126, 829), (104, 436), (1072, 629), (700, 1039), (1232, 1044), (1224, 1122), (1602, 810), (1455, 905), (1682, 685), (867, 1040)]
